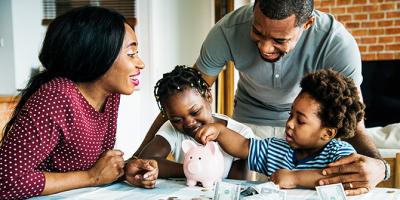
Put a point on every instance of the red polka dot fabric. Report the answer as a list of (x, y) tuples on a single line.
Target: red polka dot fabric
[(56, 131)]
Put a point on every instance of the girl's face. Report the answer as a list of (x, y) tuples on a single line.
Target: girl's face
[(188, 110), (303, 128), (122, 77)]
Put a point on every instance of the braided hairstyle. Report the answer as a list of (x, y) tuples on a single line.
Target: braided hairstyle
[(340, 105), (179, 79)]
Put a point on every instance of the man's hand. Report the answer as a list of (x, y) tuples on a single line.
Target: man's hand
[(142, 173), (358, 173), (284, 178)]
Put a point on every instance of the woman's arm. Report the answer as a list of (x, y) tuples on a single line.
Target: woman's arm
[(159, 149), (106, 170), (233, 143)]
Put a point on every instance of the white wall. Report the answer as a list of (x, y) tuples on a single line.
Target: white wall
[(170, 33), (20, 39), (28, 32), (7, 78)]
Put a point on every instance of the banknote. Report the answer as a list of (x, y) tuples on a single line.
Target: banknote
[(268, 189), (331, 192), (273, 193), (248, 192), (226, 191), (260, 197), (265, 185)]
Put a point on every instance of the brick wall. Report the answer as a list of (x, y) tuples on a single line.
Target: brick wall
[(375, 24)]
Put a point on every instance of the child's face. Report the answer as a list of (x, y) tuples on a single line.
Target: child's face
[(188, 110), (303, 128)]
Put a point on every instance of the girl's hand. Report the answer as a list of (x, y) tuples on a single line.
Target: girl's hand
[(284, 178), (142, 173), (208, 132), (108, 168)]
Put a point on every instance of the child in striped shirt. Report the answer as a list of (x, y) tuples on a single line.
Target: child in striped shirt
[(327, 107)]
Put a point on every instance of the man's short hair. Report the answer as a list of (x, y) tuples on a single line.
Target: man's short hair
[(281, 9)]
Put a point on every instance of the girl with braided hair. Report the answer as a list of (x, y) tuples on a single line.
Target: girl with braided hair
[(185, 99), (327, 109)]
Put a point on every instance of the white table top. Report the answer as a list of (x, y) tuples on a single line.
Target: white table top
[(168, 189)]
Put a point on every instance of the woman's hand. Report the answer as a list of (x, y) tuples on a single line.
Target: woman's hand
[(141, 173), (208, 132), (108, 168), (284, 178), (358, 173)]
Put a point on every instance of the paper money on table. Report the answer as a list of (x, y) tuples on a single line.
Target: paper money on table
[(273, 193), (269, 184), (256, 189), (268, 189), (226, 191), (261, 197), (331, 192)]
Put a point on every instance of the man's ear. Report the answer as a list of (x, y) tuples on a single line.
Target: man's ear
[(329, 134), (309, 23)]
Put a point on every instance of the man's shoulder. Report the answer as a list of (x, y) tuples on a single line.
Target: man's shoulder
[(242, 15), (326, 23)]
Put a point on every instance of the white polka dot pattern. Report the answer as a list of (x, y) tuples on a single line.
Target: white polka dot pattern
[(56, 131)]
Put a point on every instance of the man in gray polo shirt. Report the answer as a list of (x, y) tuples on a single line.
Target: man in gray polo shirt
[(273, 49), (273, 45)]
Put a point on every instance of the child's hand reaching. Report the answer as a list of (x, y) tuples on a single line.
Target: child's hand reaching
[(208, 132), (284, 178)]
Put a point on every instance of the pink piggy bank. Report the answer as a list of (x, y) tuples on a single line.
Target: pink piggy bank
[(204, 164)]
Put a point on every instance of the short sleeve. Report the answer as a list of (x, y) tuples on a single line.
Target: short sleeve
[(341, 150), (257, 159), (215, 52), (168, 132), (175, 139)]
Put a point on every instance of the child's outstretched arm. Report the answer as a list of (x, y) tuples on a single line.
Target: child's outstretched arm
[(159, 149), (297, 178), (233, 143)]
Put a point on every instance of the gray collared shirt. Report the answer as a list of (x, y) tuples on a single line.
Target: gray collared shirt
[(266, 90)]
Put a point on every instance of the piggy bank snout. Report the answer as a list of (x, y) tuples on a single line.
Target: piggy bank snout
[(194, 167)]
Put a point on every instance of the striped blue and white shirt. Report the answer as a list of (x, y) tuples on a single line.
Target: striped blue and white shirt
[(270, 154)]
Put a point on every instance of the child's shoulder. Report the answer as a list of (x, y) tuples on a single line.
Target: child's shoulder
[(273, 141), (340, 147), (334, 143)]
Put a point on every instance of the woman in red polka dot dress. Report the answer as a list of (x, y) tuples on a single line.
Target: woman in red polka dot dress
[(62, 132)]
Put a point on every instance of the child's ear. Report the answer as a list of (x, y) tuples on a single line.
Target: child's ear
[(208, 95), (329, 134)]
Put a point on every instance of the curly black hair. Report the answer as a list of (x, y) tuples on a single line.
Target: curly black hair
[(179, 79), (340, 105)]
